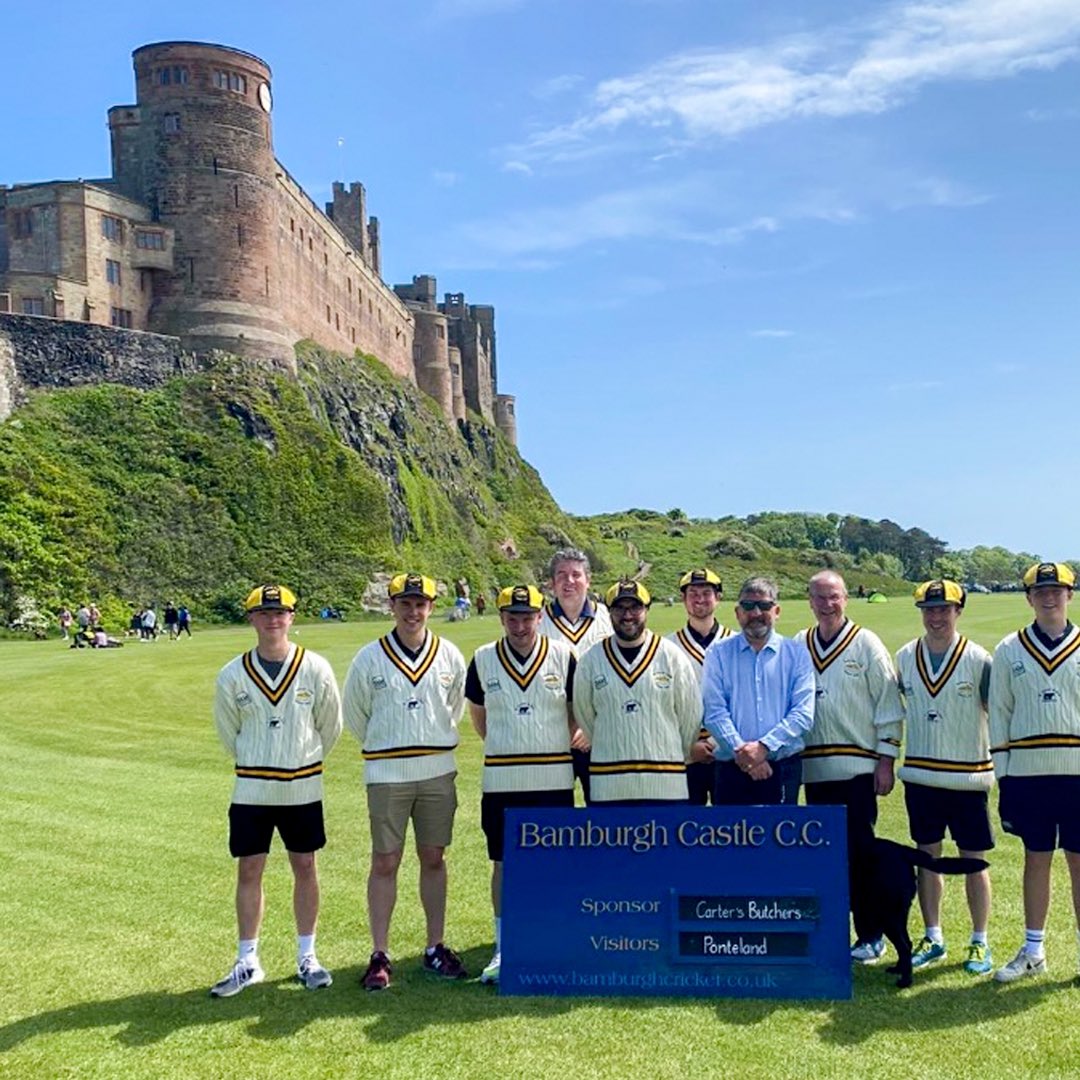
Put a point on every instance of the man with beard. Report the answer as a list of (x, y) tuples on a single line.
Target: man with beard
[(579, 623), (636, 697), (758, 689), (701, 591), (517, 689)]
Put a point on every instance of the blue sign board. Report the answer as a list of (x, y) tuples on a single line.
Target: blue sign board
[(745, 901)]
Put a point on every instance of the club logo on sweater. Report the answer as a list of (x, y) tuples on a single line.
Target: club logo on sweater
[(493, 686), (661, 680), (1018, 667), (378, 682), (965, 689), (243, 698), (304, 696), (446, 679)]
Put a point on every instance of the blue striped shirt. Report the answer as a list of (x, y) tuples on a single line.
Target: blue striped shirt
[(765, 696)]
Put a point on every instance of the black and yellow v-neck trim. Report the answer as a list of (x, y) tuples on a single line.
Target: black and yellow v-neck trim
[(273, 689), (1049, 663), (413, 669), (568, 630), (631, 673), (523, 676), (824, 656), (922, 665)]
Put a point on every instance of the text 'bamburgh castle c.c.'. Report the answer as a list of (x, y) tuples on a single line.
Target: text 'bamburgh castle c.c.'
[(201, 234)]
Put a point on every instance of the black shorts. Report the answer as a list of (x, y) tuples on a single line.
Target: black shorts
[(932, 810), (494, 803), (251, 828), (1044, 811)]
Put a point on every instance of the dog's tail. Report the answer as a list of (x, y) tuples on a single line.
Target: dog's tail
[(943, 865)]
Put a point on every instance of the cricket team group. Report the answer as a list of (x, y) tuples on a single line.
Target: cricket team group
[(578, 691)]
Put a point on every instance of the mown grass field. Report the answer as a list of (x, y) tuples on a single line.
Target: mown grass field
[(116, 902)]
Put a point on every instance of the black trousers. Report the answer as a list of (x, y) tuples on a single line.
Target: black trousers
[(857, 795), (735, 788)]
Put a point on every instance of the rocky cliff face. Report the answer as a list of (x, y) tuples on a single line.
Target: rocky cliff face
[(194, 478)]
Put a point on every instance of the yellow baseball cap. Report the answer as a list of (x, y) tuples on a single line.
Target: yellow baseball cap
[(520, 598), (1049, 573), (939, 594), (702, 576), (270, 598), (626, 589), (411, 585)]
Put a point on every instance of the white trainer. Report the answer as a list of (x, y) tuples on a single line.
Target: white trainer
[(244, 973), (1020, 966)]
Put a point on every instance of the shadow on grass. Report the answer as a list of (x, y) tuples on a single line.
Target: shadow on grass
[(416, 1001)]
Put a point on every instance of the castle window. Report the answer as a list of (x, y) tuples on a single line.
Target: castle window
[(327, 312), (149, 241), (230, 80), (112, 228), (33, 305), (171, 123), (352, 334), (239, 235), (292, 225), (440, 332), (112, 271), (22, 224), (5, 303), (172, 76), (119, 316), (142, 281), (337, 321)]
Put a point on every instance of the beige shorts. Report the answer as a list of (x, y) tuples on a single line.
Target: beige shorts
[(430, 803)]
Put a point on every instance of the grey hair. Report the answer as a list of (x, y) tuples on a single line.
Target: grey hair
[(575, 555), (826, 575), (764, 585)]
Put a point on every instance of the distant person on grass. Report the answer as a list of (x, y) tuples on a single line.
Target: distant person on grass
[(518, 692), (947, 771), (758, 689), (1035, 743), (278, 713), (851, 749), (403, 697), (701, 591), (577, 620), (183, 621), (637, 698)]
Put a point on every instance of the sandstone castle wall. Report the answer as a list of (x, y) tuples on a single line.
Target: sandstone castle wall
[(202, 235)]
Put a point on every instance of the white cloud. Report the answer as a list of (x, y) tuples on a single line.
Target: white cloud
[(665, 211), (558, 84), (838, 71), (445, 177), (517, 167), (772, 333)]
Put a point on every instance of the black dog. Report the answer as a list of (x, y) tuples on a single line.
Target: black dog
[(885, 885)]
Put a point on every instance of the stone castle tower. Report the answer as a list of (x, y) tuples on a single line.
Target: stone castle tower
[(197, 150)]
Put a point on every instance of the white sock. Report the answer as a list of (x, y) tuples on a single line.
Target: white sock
[(498, 933), (305, 946), (1033, 941), (978, 937), (935, 935), (249, 950)]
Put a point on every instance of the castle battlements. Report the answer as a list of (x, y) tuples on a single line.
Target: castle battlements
[(202, 234)]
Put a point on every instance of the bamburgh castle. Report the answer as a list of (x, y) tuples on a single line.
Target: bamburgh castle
[(201, 234)]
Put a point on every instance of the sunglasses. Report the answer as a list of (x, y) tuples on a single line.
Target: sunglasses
[(757, 605)]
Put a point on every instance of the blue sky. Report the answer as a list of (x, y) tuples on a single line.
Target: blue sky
[(744, 255)]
